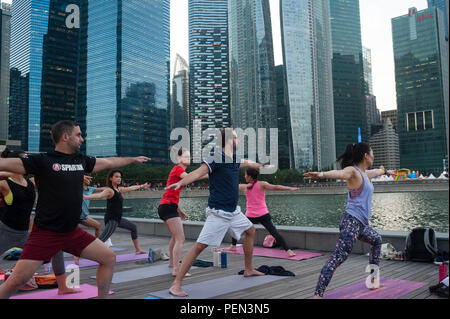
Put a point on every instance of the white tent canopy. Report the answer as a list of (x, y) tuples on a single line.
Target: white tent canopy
[(431, 177), (442, 176)]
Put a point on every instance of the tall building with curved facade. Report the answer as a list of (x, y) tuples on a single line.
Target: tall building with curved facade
[(127, 82), (306, 39), (252, 67)]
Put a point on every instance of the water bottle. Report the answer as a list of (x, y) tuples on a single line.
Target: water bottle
[(47, 268), (223, 259), (150, 257), (215, 257), (442, 272)]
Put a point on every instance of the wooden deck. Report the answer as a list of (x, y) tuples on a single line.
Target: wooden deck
[(299, 287)]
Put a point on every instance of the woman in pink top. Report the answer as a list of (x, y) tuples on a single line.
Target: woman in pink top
[(257, 211)]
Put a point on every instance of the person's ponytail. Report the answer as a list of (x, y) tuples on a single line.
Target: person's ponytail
[(353, 154)]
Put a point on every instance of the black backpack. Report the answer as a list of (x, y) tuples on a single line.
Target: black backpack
[(421, 244)]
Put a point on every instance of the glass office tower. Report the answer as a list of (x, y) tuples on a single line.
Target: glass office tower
[(209, 89), (29, 23), (306, 39), (421, 74), (252, 68), (5, 47), (127, 82), (348, 73), (442, 5)]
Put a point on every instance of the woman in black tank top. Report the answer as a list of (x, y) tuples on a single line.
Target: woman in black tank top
[(114, 207), (19, 195)]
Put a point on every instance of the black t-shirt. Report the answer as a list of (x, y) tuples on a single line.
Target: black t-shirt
[(59, 180)]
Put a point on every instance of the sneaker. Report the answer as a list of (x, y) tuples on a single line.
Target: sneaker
[(442, 291), (435, 288), (108, 242)]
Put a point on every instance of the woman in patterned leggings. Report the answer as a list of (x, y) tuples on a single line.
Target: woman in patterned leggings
[(354, 223)]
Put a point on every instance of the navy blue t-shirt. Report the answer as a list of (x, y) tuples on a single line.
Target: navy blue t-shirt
[(223, 182)]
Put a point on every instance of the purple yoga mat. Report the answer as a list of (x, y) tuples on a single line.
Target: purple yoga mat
[(276, 253), (87, 291), (119, 258), (393, 289)]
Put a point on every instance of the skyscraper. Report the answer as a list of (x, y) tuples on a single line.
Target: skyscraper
[(18, 112), (348, 73), (367, 67), (60, 67), (5, 37), (179, 111), (444, 7), (306, 40), (29, 23), (209, 89), (252, 68), (284, 156), (392, 116), (127, 82), (384, 144), (421, 74)]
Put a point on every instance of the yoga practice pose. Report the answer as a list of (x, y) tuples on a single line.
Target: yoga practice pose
[(222, 214), (257, 211), (170, 212), (59, 178), (354, 223), (16, 221), (114, 207)]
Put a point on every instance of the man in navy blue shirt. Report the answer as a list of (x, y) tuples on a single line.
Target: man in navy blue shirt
[(222, 214)]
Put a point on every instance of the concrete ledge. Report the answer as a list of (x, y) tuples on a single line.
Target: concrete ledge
[(311, 238)]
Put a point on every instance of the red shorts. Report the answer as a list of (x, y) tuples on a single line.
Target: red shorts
[(44, 244)]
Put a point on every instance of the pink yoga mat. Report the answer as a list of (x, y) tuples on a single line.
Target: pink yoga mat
[(393, 289), (119, 258), (87, 291), (276, 253)]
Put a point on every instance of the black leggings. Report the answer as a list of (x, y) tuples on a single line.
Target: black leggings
[(111, 226), (267, 222)]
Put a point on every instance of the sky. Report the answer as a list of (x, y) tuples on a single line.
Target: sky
[(375, 31)]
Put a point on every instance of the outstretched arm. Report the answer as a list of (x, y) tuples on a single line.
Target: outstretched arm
[(107, 193), (191, 177), (13, 165), (125, 190), (346, 174), (115, 162), (271, 187), (378, 172)]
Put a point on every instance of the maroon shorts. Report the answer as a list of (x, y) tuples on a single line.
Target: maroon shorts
[(44, 244)]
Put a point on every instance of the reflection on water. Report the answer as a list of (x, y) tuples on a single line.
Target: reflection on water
[(390, 211)]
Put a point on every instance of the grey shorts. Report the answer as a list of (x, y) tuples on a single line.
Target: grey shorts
[(218, 222)]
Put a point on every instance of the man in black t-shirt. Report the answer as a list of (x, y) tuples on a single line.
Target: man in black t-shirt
[(59, 178)]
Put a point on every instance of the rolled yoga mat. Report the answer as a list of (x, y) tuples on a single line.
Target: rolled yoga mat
[(87, 291), (276, 253), (119, 258), (113, 248), (140, 273), (393, 289), (217, 287)]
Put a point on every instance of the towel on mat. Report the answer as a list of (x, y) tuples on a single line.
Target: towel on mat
[(273, 270)]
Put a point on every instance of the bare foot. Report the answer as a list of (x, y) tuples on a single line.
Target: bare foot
[(373, 288), (253, 272), (317, 297), (187, 274), (77, 260), (290, 253), (232, 248), (67, 290), (177, 291), (140, 252)]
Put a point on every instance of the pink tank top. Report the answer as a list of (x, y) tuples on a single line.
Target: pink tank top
[(256, 202)]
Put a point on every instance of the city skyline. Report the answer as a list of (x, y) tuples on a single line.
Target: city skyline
[(375, 29)]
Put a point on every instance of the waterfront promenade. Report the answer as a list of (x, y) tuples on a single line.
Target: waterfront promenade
[(312, 189), (299, 287)]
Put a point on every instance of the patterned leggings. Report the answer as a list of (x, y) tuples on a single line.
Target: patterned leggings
[(350, 229)]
